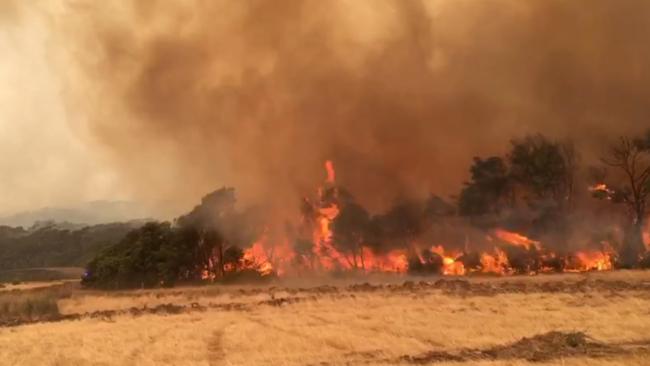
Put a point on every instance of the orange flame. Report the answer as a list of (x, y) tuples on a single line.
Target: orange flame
[(394, 261), (591, 261), (450, 264), (256, 258), (331, 173), (495, 263), (516, 239)]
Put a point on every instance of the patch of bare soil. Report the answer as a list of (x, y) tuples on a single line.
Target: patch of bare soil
[(543, 347)]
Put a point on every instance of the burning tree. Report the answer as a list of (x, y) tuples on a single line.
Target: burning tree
[(543, 172), (631, 157), (532, 187)]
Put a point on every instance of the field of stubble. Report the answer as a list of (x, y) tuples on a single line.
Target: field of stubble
[(593, 319)]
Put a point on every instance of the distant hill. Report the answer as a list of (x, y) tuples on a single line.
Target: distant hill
[(90, 213)]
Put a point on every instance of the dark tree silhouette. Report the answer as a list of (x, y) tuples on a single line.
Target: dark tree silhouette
[(350, 229), (544, 168), (631, 157), (488, 188), (219, 226)]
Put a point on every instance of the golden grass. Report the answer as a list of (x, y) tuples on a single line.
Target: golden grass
[(333, 329), (28, 306)]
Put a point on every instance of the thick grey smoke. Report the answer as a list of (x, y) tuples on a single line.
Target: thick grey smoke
[(399, 94)]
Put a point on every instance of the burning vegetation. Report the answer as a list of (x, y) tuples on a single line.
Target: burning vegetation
[(339, 235), (517, 215)]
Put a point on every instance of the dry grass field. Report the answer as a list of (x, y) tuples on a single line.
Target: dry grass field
[(594, 319)]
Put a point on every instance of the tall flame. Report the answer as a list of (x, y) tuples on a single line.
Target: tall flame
[(331, 173)]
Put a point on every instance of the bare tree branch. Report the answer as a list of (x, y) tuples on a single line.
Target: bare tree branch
[(629, 157)]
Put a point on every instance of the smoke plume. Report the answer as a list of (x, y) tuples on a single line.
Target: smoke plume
[(188, 96)]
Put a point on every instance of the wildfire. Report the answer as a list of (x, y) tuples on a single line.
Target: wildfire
[(321, 253)]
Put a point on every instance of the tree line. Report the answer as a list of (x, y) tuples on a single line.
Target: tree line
[(52, 245)]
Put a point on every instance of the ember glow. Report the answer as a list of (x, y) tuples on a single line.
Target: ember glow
[(321, 254)]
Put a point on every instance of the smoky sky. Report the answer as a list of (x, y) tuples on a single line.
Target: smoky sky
[(400, 95)]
